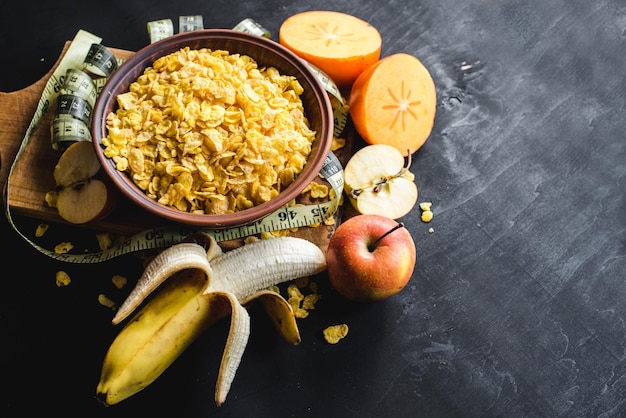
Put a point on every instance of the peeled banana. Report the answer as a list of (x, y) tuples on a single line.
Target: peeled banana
[(203, 285), (157, 335)]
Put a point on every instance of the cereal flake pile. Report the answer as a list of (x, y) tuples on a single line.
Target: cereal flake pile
[(206, 131)]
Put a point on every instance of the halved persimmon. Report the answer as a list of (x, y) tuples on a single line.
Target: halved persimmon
[(394, 102), (339, 44)]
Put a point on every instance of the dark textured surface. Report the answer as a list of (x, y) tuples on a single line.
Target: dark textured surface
[(516, 305)]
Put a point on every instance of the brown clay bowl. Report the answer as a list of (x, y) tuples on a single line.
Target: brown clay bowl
[(267, 53)]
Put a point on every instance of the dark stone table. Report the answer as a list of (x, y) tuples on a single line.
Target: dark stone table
[(517, 304)]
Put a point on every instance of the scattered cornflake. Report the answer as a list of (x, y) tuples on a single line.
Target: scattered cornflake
[(300, 302), (310, 300), (51, 199), (41, 230), (294, 291), (119, 281), (334, 333), (63, 247), (62, 278), (298, 312), (266, 235), (318, 191), (105, 240), (277, 233), (282, 232), (251, 238), (105, 301), (427, 214), (295, 298), (337, 143)]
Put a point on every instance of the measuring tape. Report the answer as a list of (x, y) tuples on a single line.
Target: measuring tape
[(70, 124)]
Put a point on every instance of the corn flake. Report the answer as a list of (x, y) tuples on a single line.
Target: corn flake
[(62, 279), (63, 247), (119, 281), (301, 303), (427, 214), (337, 143), (105, 301), (293, 291), (334, 333), (51, 198), (310, 300), (41, 230), (295, 298)]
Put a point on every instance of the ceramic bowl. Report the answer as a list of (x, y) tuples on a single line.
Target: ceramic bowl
[(266, 53)]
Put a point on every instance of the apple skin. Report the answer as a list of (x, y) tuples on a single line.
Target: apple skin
[(362, 274)]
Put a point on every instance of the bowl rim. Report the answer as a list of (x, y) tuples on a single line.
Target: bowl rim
[(145, 57)]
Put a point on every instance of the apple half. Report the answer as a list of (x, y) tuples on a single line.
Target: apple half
[(81, 196), (378, 182)]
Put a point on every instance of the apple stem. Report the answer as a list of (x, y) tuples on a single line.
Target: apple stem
[(407, 166), (373, 246)]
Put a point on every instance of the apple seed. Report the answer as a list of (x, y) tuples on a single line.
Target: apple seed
[(379, 183)]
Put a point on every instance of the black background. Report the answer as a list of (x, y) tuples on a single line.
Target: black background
[(516, 306)]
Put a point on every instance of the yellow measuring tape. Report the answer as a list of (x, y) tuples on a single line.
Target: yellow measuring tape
[(75, 91)]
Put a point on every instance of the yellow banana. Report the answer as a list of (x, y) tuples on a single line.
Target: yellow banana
[(157, 335), (206, 285)]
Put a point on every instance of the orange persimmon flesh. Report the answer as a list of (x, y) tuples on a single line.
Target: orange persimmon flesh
[(393, 102), (339, 44)]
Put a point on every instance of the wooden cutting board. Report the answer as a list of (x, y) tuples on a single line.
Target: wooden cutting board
[(32, 177)]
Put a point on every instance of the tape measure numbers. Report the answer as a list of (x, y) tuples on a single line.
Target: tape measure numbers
[(73, 93), (66, 130)]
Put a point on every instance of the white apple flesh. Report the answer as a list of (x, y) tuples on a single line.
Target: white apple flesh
[(370, 258), (85, 202), (378, 182), (393, 199), (78, 163), (81, 196)]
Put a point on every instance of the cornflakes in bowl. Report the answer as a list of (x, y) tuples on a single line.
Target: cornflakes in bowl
[(213, 128)]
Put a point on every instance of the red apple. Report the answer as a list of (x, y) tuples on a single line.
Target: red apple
[(370, 258)]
